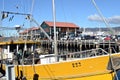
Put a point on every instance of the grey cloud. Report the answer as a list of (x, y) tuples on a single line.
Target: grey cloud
[(112, 20), (94, 17)]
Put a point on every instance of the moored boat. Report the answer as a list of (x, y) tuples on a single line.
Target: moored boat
[(95, 64)]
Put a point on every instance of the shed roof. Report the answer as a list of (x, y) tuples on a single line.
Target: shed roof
[(61, 24), (30, 29)]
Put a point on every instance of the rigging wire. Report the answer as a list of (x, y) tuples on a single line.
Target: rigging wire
[(65, 17), (24, 10), (25, 44), (32, 6), (3, 5), (63, 10), (103, 18), (31, 13), (107, 25)]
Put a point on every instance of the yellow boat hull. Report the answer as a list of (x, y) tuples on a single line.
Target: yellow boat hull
[(81, 69), (94, 68)]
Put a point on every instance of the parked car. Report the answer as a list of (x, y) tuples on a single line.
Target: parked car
[(71, 37), (79, 37), (101, 37), (64, 38), (107, 38)]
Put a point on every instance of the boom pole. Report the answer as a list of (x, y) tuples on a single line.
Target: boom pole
[(29, 17)]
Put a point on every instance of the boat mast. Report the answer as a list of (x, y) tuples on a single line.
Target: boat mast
[(54, 22)]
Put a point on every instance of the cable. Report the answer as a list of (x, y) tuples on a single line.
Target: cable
[(3, 4), (107, 25), (32, 6), (103, 18)]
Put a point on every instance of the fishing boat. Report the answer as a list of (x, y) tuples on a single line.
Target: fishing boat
[(95, 64)]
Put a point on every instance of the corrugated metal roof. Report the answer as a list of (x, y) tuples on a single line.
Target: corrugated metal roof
[(30, 29), (62, 24), (50, 23)]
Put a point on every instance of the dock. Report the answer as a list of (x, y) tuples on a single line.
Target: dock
[(74, 46)]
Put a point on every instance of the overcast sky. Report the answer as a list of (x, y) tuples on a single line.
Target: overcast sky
[(81, 12)]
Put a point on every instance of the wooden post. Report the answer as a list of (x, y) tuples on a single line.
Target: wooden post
[(17, 47), (32, 47), (8, 48), (80, 45), (119, 47), (97, 45)]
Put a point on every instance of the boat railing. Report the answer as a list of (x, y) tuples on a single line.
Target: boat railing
[(78, 55), (88, 53), (51, 58)]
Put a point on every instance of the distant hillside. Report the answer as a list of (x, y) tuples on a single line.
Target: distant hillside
[(102, 29)]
